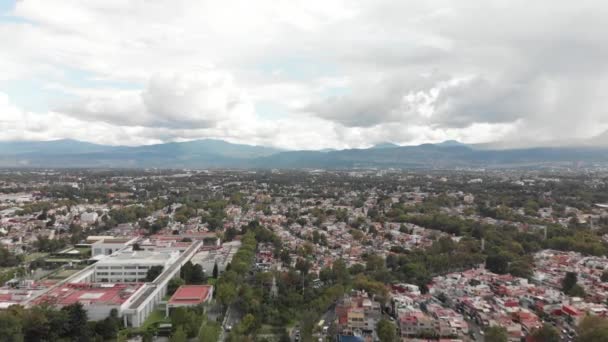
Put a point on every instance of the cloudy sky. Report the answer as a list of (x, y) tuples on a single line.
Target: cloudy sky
[(303, 74)]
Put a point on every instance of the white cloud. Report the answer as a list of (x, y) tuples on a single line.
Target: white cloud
[(335, 73)]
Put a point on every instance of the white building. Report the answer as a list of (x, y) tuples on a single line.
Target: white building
[(109, 246), (221, 256), (89, 218), (131, 266)]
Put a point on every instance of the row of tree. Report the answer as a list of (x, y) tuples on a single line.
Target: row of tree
[(44, 323)]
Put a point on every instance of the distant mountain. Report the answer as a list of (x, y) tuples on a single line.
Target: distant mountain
[(71, 153), (64, 146), (210, 153), (450, 143), (203, 147), (433, 156), (384, 145)]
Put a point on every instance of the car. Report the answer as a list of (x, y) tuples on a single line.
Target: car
[(228, 327)]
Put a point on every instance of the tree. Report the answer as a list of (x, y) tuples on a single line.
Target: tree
[(108, 327), (179, 335), (10, 327), (577, 291), (35, 325), (570, 286), (247, 324), (210, 332), (545, 334), (604, 277), (216, 271), (173, 285), (386, 331), (186, 319), (570, 279), (593, 329), (198, 275), (521, 268), (226, 292), (192, 274), (76, 326), (496, 334), (303, 266), (153, 273), (497, 263)]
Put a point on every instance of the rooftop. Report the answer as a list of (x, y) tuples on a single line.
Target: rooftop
[(90, 293), (191, 294), (139, 257)]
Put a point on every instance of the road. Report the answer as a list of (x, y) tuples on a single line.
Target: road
[(232, 319)]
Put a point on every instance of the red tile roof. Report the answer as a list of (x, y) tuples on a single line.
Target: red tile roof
[(191, 294), (87, 293)]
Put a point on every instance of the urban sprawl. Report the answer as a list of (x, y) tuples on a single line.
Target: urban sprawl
[(316, 255)]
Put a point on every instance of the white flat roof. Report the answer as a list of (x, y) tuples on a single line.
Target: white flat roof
[(138, 257)]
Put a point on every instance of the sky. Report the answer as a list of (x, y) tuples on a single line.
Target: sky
[(303, 74)]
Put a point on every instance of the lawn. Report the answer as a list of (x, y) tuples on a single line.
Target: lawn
[(62, 274), (157, 316), (33, 256)]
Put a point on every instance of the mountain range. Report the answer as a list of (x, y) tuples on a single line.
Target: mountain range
[(209, 153)]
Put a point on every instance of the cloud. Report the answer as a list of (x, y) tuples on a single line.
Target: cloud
[(304, 74), (192, 100)]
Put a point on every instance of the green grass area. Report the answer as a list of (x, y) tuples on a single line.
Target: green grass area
[(62, 274), (267, 329), (33, 256), (7, 274), (157, 316), (210, 331), (211, 281)]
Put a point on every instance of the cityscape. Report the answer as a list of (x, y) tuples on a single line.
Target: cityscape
[(271, 255), (303, 171)]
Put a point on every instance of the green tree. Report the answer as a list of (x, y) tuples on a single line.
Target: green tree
[(210, 332), (216, 271), (496, 334), (521, 268), (153, 273), (173, 285), (497, 263), (545, 334), (593, 329), (386, 331), (570, 286), (179, 335), (226, 292), (198, 275), (35, 325), (77, 327), (10, 327)]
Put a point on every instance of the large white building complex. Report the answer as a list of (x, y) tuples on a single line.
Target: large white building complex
[(131, 266), (117, 277)]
